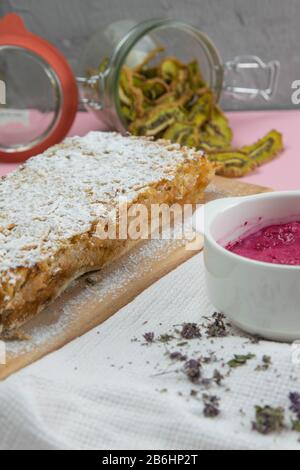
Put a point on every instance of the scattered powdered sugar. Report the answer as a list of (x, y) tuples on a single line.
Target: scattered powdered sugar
[(62, 192), (101, 284)]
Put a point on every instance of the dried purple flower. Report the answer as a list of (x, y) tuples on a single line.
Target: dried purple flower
[(218, 377), (295, 408), (217, 328), (190, 331), (255, 339), (205, 383), (149, 337), (192, 369), (177, 356), (295, 403), (211, 406)]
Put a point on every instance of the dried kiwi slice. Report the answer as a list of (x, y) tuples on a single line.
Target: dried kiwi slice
[(149, 73), (238, 163), (156, 121), (130, 95), (196, 79), (154, 88), (233, 163), (266, 148), (179, 133), (169, 69), (123, 97), (201, 111), (181, 84), (209, 138), (138, 80), (128, 113), (167, 98), (218, 128)]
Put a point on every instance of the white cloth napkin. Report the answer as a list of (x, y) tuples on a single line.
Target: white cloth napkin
[(109, 391)]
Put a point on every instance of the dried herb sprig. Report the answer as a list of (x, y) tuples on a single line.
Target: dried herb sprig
[(217, 327), (296, 425), (266, 363), (165, 338), (268, 420), (239, 360)]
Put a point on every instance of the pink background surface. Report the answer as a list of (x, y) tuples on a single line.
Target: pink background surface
[(283, 173)]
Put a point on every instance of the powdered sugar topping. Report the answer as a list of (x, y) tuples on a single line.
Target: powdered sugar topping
[(60, 193)]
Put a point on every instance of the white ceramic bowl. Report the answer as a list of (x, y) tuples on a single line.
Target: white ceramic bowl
[(260, 298)]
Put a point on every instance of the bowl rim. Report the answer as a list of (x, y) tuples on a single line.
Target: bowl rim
[(235, 202)]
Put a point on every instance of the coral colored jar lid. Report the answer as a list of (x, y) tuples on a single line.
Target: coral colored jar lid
[(45, 118)]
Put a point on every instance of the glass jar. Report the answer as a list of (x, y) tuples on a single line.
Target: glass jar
[(39, 93), (43, 95), (125, 43)]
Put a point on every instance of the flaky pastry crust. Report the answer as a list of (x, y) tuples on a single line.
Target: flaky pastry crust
[(48, 226)]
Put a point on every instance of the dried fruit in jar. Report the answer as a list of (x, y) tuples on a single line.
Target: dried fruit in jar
[(159, 119), (170, 68), (180, 85), (171, 100), (218, 132), (201, 111), (196, 79), (183, 134), (130, 95), (154, 88)]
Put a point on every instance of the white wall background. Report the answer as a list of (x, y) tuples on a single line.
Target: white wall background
[(268, 28)]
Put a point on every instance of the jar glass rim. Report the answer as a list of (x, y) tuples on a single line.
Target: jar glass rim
[(56, 85)]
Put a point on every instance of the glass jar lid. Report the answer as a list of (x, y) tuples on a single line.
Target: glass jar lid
[(41, 95)]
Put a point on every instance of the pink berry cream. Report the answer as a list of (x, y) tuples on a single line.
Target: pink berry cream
[(276, 244)]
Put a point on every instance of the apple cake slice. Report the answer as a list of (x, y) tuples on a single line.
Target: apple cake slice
[(51, 207)]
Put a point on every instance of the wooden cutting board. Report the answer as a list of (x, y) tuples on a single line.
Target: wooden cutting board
[(92, 299)]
